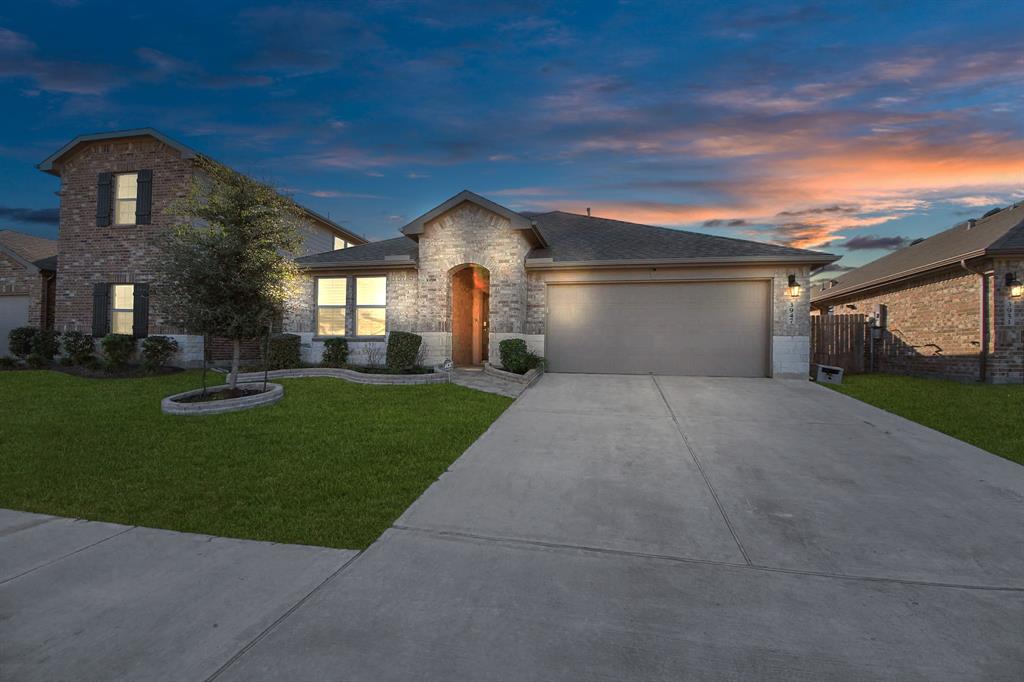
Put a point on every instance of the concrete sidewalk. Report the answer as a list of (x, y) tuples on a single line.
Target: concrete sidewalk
[(81, 600)]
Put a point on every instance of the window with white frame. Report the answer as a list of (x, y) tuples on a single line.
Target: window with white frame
[(126, 196), (371, 305), (340, 243), (122, 308), (331, 304)]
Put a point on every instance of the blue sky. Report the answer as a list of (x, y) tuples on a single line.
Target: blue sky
[(849, 127)]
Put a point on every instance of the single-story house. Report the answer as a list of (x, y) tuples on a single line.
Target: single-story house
[(590, 294), (950, 306), (27, 267)]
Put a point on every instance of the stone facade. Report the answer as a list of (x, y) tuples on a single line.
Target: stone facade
[(934, 324), (420, 300)]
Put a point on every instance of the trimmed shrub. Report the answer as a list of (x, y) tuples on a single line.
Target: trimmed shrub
[(37, 361), (65, 362), (7, 362), (403, 349), (20, 340), (285, 351), (92, 363), (47, 343), (78, 347), (156, 351), (516, 358), (118, 349), (335, 353)]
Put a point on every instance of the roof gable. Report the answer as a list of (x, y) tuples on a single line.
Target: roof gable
[(517, 220), (26, 249), (47, 165)]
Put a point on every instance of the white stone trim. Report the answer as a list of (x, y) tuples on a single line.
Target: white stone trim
[(791, 357)]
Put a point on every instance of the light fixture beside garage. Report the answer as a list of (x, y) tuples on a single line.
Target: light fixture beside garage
[(1014, 285), (793, 287)]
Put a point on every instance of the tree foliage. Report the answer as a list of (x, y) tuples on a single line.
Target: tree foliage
[(226, 267)]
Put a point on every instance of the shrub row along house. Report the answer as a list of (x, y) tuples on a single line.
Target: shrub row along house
[(590, 294), (951, 305)]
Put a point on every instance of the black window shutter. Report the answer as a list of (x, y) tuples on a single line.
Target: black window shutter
[(104, 193), (144, 202), (140, 316), (100, 310)]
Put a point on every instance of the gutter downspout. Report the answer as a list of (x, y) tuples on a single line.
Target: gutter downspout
[(983, 315)]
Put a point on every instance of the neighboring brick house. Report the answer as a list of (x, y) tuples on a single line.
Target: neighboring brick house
[(951, 304), (27, 266), (590, 294), (115, 198)]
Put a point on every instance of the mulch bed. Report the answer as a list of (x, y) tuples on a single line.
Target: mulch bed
[(225, 394)]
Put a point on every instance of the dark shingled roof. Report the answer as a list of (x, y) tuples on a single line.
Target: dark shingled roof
[(576, 238), (580, 238), (1000, 232), (47, 264), (364, 254), (27, 246)]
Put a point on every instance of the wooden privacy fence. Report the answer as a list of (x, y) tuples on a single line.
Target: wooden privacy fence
[(839, 340)]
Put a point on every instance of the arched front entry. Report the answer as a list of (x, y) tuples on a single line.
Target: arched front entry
[(471, 287)]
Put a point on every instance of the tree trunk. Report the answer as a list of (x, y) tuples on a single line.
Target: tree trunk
[(236, 354)]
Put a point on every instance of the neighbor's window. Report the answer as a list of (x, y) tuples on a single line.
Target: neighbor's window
[(340, 243), (126, 194), (330, 306), (371, 299), (122, 306)]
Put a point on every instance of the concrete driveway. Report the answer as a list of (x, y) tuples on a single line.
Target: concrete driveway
[(627, 527), (605, 527)]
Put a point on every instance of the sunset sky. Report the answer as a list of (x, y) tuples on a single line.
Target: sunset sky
[(848, 127)]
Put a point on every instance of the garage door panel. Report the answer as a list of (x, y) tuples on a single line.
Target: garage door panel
[(685, 328)]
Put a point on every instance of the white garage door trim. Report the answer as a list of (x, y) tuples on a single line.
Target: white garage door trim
[(614, 340)]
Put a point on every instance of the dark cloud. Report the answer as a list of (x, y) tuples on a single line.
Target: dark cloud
[(870, 242), (821, 210), (38, 216), (720, 222)]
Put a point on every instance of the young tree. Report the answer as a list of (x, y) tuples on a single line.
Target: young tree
[(226, 270)]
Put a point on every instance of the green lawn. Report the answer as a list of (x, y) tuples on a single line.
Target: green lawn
[(985, 415), (332, 464)]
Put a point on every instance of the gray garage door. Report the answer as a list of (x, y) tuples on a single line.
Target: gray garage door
[(13, 313), (682, 328)]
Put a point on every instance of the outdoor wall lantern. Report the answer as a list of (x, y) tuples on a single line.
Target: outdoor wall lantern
[(793, 287), (1014, 285)]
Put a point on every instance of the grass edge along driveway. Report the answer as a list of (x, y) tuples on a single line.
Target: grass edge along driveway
[(332, 464), (985, 415)]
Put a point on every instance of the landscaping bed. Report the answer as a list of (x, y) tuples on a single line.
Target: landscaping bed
[(984, 415), (332, 464)]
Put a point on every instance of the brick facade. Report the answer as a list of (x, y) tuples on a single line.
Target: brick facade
[(117, 253), (128, 253), (934, 324)]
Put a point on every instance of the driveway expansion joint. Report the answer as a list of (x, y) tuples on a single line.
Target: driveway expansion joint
[(65, 556), (558, 546), (280, 619), (700, 468)]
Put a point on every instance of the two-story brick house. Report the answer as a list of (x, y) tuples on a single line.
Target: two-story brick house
[(116, 193), (589, 293)]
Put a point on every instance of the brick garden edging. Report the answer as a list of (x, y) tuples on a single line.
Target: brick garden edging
[(348, 375), (273, 394), (528, 378)]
